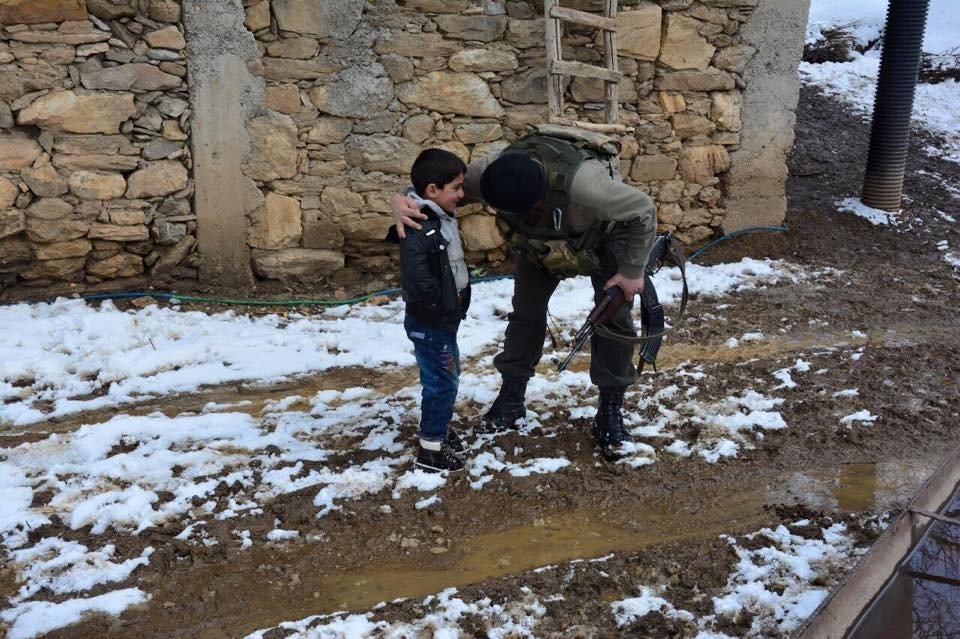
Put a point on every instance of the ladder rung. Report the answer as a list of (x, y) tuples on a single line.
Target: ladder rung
[(584, 18), (590, 126), (582, 70)]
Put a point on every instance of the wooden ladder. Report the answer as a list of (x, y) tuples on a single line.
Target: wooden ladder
[(557, 67)]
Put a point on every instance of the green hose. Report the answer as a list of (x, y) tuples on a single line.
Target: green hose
[(362, 298)]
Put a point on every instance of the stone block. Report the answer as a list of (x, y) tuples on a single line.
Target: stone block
[(725, 110), (387, 153), (337, 202), (302, 264), (734, 58), (16, 252), (284, 99), (480, 233), (296, 48), (258, 16), (88, 185), (418, 128), (416, 45), (108, 10), (90, 113), (365, 229), (319, 232), (683, 47), (157, 179), (688, 125), (17, 152), (358, 92), (65, 269), (166, 38), (44, 181), (638, 31), (653, 168), (334, 19), (50, 208), (138, 76), (482, 28), (276, 225), (40, 230), (122, 265), (12, 221), (62, 250), (671, 102), (40, 11), (169, 261), (477, 132), (529, 87), (273, 148), (481, 60), (8, 193), (525, 34), (699, 164), (118, 232), (167, 11), (19, 80)]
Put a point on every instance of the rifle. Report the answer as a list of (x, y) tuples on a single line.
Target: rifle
[(612, 299), (652, 318)]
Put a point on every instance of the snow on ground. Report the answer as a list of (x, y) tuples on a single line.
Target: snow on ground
[(79, 357), (129, 473), (936, 106)]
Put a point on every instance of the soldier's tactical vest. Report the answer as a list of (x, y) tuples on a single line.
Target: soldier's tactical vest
[(545, 236)]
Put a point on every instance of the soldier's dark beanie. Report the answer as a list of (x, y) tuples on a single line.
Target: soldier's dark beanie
[(513, 183)]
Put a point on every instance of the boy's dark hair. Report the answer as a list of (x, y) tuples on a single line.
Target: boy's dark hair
[(435, 166)]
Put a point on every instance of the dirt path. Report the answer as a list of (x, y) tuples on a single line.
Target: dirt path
[(884, 322)]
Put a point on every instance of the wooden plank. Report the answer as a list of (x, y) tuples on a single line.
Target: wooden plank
[(611, 90), (590, 126), (581, 70), (584, 18), (552, 28)]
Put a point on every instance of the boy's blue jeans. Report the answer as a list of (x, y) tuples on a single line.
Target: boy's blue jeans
[(439, 360)]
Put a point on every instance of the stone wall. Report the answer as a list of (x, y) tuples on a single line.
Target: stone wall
[(355, 90), (95, 187), (304, 116)]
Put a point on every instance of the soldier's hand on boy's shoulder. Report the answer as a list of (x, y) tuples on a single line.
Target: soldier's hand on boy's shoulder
[(405, 213), (630, 286)]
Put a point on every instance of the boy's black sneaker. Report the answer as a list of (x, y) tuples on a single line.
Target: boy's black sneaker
[(436, 461), (455, 442)]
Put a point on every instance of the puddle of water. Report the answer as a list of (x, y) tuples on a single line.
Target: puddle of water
[(865, 487), (255, 602), (249, 593), (923, 599)]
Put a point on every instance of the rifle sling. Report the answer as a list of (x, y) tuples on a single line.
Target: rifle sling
[(603, 331)]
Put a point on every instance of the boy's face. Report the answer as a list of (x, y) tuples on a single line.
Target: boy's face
[(448, 196)]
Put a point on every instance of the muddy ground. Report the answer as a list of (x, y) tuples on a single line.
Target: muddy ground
[(660, 522)]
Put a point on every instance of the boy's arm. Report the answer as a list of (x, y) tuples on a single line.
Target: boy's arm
[(419, 281)]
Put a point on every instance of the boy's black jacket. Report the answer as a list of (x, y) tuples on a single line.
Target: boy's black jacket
[(426, 278)]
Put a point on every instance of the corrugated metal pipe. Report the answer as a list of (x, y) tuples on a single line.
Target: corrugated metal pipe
[(890, 136)]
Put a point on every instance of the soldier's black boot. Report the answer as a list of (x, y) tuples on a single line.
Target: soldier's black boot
[(507, 409), (609, 433)]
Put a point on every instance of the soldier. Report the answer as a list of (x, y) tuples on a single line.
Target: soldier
[(565, 211)]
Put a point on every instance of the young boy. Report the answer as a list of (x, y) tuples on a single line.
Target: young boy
[(436, 288)]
